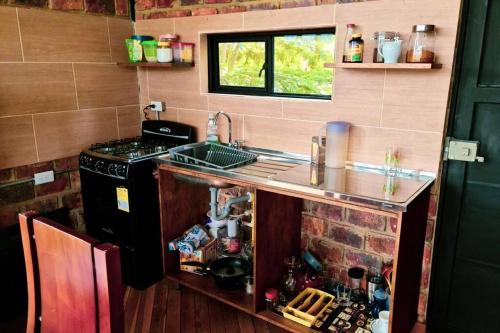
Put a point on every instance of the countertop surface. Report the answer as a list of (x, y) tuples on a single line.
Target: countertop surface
[(356, 183)]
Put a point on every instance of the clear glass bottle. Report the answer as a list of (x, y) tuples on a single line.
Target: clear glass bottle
[(421, 45), (356, 48), (348, 36)]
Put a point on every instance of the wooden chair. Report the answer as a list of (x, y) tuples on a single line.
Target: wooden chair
[(74, 281)]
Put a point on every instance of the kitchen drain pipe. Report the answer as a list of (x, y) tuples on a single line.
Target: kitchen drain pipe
[(214, 205)]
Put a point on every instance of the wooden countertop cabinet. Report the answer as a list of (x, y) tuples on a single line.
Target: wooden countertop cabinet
[(276, 235)]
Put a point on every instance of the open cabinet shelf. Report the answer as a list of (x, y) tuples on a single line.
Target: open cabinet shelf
[(206, 285), (365, 65), (155, 64)]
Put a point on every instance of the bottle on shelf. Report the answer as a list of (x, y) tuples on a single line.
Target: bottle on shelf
[(212, 129), (348, 36), (356, 48)]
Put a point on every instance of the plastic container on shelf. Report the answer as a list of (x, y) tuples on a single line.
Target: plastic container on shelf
[(150, 50), (164, 52), (183, 52)]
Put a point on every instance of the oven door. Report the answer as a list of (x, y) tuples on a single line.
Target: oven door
[(104, 219)]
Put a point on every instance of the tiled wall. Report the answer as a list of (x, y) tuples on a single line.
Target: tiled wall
[(150, 9), (403, 108), (60, 91)]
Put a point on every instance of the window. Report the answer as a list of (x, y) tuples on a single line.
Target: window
[(280, 63)]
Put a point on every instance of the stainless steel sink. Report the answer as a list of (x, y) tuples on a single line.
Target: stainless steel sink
[(202, 181), (212, 155)]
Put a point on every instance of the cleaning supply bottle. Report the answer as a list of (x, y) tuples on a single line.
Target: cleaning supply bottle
[(212, 129)]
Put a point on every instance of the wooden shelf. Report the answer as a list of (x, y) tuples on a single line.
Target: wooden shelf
[(283, 322), (155, 64), (365, 65), (206, 285)]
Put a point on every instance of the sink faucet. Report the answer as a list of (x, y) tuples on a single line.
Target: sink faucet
[(230, 126)]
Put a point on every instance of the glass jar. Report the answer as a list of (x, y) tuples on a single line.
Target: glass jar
[(380, 38), (164, 52), (421, 45)]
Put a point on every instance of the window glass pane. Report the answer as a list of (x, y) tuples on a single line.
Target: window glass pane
[(298, 64), (240, 64)]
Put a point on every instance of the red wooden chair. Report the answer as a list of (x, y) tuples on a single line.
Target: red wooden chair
[(74, 281)]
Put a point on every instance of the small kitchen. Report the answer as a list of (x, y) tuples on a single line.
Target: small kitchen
[(245, 166)]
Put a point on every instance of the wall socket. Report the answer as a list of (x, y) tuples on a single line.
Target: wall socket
[(44, 177), (158, 106)]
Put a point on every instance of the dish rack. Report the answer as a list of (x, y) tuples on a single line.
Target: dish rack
[(308, 306), (212, 155)]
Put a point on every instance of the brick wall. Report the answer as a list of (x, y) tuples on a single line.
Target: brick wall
[(18, 192), (151, 9), (105, 7), (346, 238)]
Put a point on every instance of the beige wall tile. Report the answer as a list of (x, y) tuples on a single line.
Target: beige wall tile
[(58, 36), (155, 27), (9, 35), (302, 17), (33, 88), (17, 142), (119, 30), (282, 134), (170, 114), (249, 105), (63, 134), (419, 150), (179, 99), (105, 85), (308, 110), (190, 27), (129, 121), (142, 75), (198, 119), (182, 78), (358, 95), (416, 101)]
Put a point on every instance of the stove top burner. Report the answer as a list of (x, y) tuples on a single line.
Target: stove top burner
[(132, 148)]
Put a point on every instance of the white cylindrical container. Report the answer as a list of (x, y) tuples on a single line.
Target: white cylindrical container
[(337, 142), (164, 54)]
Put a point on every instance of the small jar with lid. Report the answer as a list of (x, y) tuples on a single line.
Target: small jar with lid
[(421, 45), (164, 52), (356, 48), (183, 52)]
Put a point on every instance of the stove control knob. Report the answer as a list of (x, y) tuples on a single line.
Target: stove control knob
[(99, 167), (112, 169), (121, 171)]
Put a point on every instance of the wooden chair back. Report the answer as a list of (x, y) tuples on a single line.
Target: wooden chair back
[(74, 281)]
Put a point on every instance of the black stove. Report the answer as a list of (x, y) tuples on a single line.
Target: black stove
[(120, 196)]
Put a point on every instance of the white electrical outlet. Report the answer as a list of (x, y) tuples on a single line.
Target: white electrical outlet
[(158, 106), (44, 177)]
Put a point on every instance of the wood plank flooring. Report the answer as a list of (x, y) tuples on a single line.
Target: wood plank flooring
[(163, 308)]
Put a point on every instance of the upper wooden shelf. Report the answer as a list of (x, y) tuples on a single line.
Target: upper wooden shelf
[(155, 64), (366, 65)]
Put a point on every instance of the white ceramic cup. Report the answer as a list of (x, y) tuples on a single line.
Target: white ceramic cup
[(390, 51), (383, 317)]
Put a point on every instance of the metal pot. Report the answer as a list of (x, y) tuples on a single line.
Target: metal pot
[(228, 272)]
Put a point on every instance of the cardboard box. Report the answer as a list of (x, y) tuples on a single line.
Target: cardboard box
[(204, 255)]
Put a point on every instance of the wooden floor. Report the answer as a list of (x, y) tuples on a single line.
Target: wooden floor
[(165, 308)]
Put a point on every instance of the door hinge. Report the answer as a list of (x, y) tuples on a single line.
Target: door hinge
[(461, 150)]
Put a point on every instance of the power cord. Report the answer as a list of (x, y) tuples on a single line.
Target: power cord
[(146, 109)]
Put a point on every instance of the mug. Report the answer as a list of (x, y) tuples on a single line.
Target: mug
[(383, 317), (390, 51)]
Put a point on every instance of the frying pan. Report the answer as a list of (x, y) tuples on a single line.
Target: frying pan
[(228, 272)]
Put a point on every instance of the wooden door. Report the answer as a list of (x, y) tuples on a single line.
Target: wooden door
[(465, 287)]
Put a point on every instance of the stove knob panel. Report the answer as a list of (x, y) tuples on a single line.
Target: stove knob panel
[(100, 167), (121, 171)]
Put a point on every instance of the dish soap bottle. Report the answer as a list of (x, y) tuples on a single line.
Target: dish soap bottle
[(212, 129), (356, 46)]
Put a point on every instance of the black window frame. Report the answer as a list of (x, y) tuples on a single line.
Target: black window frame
[(267, 37)]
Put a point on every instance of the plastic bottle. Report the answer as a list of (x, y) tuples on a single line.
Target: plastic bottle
[(212, 129), (348, 36)]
